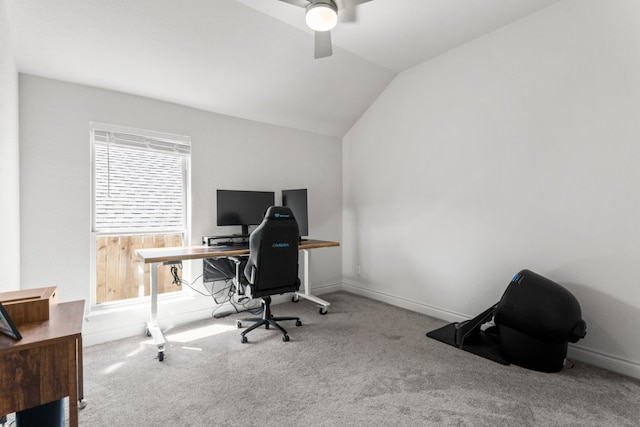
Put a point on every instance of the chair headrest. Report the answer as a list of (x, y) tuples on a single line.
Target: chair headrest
[(279, 213)]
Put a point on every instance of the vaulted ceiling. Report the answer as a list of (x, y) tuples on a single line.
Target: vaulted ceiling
[(246, 58)]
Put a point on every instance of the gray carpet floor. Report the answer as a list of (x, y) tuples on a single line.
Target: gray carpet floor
[(365, 363)]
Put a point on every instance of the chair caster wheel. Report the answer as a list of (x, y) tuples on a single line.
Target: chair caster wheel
[(323, 310), (285, 338), (238, 324), (244, 340), (161, 356), (298, 323), (295, 299)]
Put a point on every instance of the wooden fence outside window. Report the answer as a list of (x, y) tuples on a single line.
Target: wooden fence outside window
[(117, 274)]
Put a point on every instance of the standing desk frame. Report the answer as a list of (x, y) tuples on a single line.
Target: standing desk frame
[(157, 256)]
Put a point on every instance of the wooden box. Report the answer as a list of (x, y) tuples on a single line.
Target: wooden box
[(30, 305)]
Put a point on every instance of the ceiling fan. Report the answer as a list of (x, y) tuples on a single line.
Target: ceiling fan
[(322, 16)]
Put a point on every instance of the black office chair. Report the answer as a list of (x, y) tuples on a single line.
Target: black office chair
[(272, 267)]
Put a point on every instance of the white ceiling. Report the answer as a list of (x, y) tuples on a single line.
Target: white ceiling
[(246, 58)]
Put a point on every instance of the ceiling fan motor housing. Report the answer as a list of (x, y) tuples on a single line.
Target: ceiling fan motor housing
[(322, 15)]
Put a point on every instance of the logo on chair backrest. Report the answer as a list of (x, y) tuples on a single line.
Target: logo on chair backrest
[(279, 215), (280, 245)]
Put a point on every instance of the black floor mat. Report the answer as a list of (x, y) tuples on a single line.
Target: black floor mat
[(478, 343)]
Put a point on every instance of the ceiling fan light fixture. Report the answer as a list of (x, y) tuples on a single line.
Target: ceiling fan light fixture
[(322, 15)]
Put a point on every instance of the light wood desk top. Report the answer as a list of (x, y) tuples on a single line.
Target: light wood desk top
[(181, 253)]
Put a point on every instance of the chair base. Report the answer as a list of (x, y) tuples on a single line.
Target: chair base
[(267, 320)]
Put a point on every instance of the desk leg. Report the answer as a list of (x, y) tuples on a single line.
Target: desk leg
[(80, 367), (153, 329), (307, 291), (72, 349)]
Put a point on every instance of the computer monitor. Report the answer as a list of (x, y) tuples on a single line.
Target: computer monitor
[(243, 208), (296, 200)]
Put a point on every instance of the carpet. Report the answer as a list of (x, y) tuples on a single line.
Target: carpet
[(365, 363)]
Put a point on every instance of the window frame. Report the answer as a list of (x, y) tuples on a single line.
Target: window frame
[(185, 230)]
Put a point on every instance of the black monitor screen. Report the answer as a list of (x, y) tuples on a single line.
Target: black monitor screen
[(243, 207), (296, 200)]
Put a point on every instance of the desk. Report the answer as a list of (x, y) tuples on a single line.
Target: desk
[(156, 256), (46, 364)]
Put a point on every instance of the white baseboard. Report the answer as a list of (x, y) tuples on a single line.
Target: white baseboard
[(405, 303), (325, 289), (110, 326), (577, 352), (605, 361)]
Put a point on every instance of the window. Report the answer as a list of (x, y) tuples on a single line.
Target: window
[(140, 200)]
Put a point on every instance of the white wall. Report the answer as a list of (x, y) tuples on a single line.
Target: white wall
[(517, 150), (226, 153), (9, 161)]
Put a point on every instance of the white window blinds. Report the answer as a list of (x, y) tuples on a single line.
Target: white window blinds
[(140, 180)]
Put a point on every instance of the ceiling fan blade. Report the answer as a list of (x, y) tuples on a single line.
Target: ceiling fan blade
[(301, 3), (348, 12), (323, 44)]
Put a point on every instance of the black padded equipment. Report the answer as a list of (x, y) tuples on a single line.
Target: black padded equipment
[(534, 321)]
